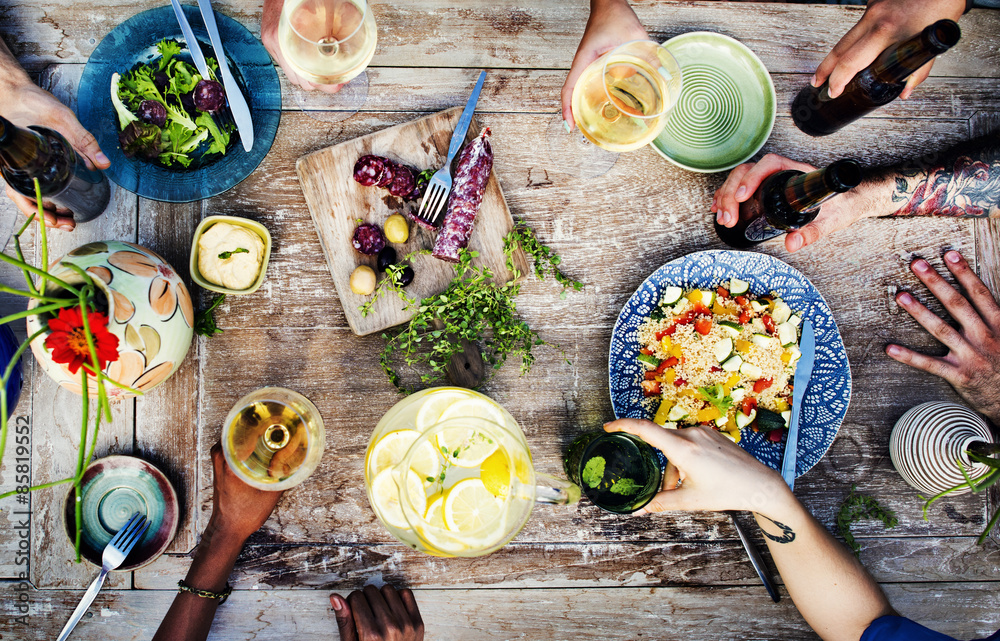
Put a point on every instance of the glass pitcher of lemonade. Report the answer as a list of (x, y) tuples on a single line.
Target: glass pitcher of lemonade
[(448, 472)]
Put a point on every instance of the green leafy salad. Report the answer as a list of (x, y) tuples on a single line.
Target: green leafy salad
[(168, 113)]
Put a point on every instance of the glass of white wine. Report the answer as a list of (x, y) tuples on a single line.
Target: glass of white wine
[(273, 438), (621, 102), (329, 42)]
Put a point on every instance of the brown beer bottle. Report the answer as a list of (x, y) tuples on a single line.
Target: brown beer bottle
[(788, 200), (881, 82), (65, 179)]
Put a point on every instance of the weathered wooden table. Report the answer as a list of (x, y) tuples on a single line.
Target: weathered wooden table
[(572, 573)]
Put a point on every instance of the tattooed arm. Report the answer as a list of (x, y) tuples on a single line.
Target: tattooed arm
[(831, 589), (962, 181)]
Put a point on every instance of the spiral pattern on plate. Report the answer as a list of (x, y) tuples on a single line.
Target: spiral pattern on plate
[(709, 111), (929, 439)]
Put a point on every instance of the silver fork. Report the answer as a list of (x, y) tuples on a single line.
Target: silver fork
[(114, 555), (436, 194)]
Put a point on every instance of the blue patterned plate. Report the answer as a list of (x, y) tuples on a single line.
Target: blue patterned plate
[(134, 41), (829, 391)]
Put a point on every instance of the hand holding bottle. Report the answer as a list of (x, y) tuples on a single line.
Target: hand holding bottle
[(884, 23), (26, 104), (611, 23)]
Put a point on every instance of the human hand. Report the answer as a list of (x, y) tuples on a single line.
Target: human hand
[(839, 212), (611, 23), (378, 615), (884, 23), (269, 36), (714, 473), (238, 510), (972, 364), (27, 105)]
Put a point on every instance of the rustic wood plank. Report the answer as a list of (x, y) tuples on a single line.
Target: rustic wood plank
[(166, 419), (511, 33), (337, 203), (572, 565), (964, 610)]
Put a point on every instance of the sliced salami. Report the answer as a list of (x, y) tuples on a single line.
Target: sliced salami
[(471, 176), (403, 182), (368, 170), (389, 174)]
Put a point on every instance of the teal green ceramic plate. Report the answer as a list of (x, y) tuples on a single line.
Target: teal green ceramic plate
[(115, 488), (726, 109)]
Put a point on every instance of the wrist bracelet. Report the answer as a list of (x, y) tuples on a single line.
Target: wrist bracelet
[(205, 594)]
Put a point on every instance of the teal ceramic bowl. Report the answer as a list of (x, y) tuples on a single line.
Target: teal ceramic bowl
[(113, 489), (725, 112)]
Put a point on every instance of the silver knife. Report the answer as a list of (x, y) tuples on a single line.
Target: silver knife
[(196, 55), (807, 345), (756, 559), (465, 119), (237, 102)]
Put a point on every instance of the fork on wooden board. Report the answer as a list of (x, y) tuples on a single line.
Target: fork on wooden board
[(114, 555), (436, 194)]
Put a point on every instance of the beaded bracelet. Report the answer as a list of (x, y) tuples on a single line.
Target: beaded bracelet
[(205, 594)]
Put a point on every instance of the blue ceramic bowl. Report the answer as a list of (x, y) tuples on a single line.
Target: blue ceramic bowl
[(829, 391), (133, 42), (113, 489)]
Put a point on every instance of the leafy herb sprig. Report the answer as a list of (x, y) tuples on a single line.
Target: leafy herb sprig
[(204, 321), (858, 507), (473, 307), (238, 250)]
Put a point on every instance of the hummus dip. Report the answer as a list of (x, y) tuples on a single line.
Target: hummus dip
[(230, 255)]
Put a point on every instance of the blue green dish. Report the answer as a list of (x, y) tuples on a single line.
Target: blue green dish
[(113, 489), (133, 42), (726, 111)]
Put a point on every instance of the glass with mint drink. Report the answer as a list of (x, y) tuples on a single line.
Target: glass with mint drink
[(619, 472)]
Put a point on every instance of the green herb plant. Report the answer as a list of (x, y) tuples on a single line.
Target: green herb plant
[(977, 453), (473, 307), (204, 320), (859, 507)]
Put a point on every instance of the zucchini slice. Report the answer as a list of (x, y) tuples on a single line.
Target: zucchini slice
[(721, 421), (649, 362), (731, 328), (796, 354), (733, 363), (787, 417), (671, 295), (737, 394), (723, 350), (781, 312), (751, 371), (757, 306), (787, 334), (763, 340), (677, 413), (795, 319), (738, 287), (707, 297), (742, 420)]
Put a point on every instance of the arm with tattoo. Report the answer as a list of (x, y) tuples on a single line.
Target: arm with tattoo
[(963, 181)]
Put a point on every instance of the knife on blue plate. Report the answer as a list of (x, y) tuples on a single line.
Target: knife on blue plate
[(807, 345), (196, 55), (237, 102)]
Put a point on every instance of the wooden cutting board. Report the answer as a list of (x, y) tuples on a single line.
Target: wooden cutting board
[(337, 202)]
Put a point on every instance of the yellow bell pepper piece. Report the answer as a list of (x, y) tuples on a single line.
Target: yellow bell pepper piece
[(780, 405), (669, 376), (662, 411), (786, 356), (676, 352), (665, 344), (733, 380), (743, 346), (708, 414), (718, 309), (694, 296)]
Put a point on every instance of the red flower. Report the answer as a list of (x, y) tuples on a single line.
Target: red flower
[(68, 342)]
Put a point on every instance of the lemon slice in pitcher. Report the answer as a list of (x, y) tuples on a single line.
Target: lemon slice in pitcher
[(385, 496), (469, 506), (435, 405), (392, 448), (465, 446)]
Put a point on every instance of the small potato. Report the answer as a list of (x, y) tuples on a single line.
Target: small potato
[(397, 230), (363, 280)]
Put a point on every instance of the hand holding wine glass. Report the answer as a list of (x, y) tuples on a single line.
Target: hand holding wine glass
[(269, 36)]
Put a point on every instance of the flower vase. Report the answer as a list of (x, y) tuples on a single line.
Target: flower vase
[(930, 440), (148, 308)]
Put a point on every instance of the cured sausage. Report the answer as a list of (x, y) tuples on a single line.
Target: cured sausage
[(469, 184), (368, 170), (404, 181), (388, 175)]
